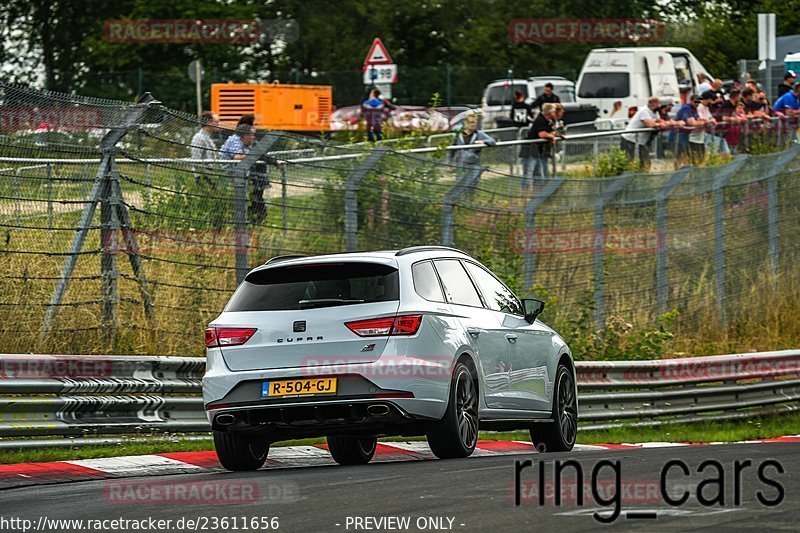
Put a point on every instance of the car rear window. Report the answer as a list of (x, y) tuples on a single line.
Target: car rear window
[(604, 85), (309, 286), (426, 283), (457, 285), (504, 94)]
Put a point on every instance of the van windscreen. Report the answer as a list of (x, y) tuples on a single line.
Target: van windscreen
[(308, 286), (605, 85)]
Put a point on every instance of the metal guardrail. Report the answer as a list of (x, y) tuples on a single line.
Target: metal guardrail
[(88, 397)]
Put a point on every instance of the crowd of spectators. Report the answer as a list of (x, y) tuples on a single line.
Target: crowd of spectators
[(714, 120)]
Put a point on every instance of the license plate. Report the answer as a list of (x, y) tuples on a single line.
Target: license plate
[(298, 387)]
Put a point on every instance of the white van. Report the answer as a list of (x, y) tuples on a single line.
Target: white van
[(618, 81), (499, 95)]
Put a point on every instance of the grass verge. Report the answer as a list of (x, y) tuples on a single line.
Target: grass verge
[(711, 431)]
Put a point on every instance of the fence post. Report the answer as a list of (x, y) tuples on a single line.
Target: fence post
[(100, 192), (718, 195), (606, 195), (530, 227), (109, 247), (50, 220), (772, 205), (240, 173), (284, 218), (661, 236), (466, 178), (351, 196)]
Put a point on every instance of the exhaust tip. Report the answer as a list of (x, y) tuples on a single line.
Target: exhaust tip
[(378, 410), (225, 419)]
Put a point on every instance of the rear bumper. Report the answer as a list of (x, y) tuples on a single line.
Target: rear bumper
[(364, 417)]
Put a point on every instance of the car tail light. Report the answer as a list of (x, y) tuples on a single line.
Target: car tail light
[(228, 336), (390, 325), (632, 111)]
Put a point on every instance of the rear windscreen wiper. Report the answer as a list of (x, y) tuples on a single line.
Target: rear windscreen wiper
[(326, 302)]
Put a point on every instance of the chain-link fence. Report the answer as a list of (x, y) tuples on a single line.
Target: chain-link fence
[(114, 239)]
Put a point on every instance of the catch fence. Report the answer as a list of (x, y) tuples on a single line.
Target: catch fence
[(114, 240)]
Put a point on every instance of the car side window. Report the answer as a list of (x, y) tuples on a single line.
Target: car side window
[(457, 285), (497, 295), (425, 281)]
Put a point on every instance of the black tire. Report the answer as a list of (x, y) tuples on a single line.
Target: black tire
[(560, 435), (237, 452), (352, 450), (456, 434)]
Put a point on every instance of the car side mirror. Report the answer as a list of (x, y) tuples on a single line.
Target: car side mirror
[(533, 308)]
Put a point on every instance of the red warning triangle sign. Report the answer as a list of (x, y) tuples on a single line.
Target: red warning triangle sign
[(378, 55)]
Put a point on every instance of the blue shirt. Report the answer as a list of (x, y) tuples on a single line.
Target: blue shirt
[(685, 112), (787, 101), (233, 146)]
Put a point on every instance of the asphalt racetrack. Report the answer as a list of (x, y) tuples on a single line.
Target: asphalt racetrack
[(478, 494)]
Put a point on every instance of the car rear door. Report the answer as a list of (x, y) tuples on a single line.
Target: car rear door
[(484, 328)]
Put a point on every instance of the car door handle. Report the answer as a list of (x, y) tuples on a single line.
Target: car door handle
[(474, 331), (512, 337)]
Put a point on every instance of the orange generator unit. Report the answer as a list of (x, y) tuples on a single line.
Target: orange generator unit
[(275, 106)]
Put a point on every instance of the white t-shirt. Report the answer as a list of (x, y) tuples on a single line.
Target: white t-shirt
[(699, 135), (703, 87), (637, 123)]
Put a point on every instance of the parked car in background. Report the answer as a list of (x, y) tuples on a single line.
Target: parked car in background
[(618, 81), (355, 346), (499, 95), (403, 118)]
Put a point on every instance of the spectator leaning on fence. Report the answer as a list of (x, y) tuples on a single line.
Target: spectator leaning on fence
[(646, 117), (238, 144), (467, 161), (789, 103), (202, 144), (691, 148), (705, 136), (788, 106), (538, 154)]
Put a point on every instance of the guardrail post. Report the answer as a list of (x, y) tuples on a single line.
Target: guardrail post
[(529, 237), (240, 173), (607, 194), (351, 196), (100, 194), (661, 236)]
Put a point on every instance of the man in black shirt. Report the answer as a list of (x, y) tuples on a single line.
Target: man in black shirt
[(788, 80), (547, 97), (521, 112), (536, 156)]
